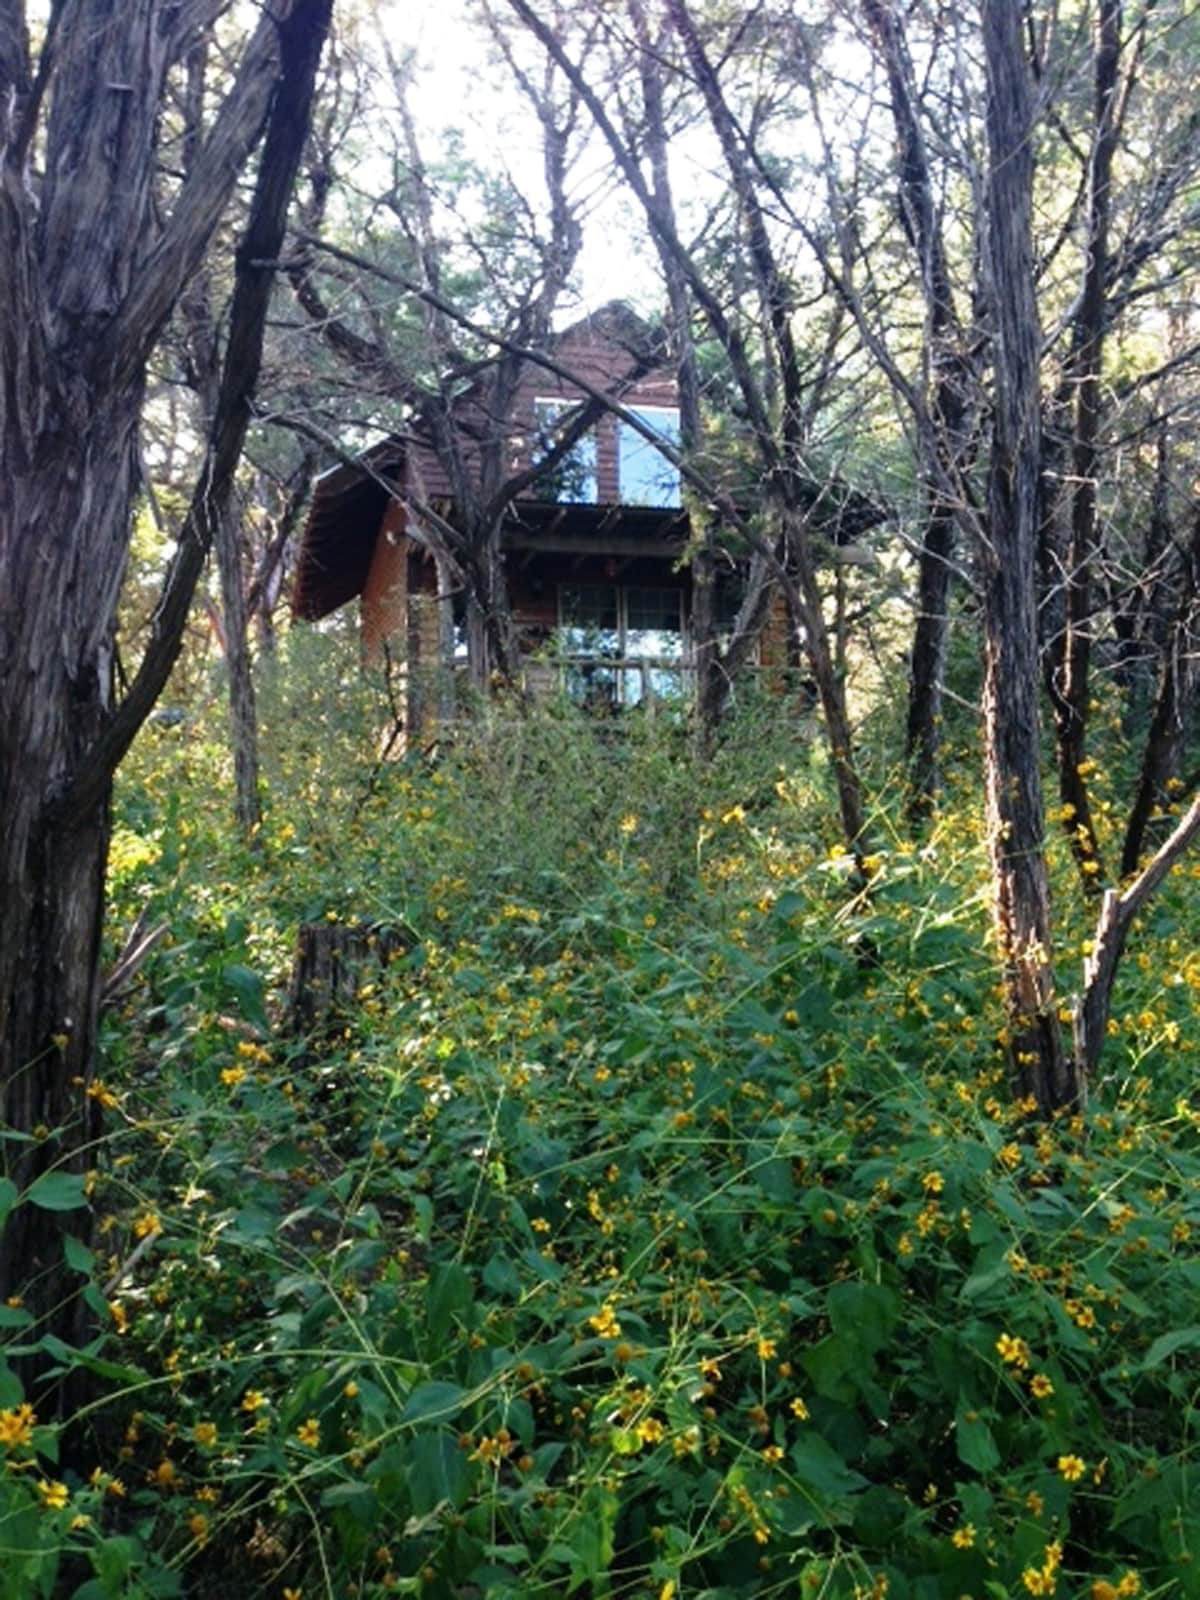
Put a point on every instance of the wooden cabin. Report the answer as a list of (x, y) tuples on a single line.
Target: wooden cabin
[(591, 549)]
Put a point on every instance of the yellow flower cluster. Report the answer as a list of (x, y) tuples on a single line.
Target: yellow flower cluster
[(16, 1427), (1129, 1585), (605, 1322), (1044, 1579), (1012, 1350)]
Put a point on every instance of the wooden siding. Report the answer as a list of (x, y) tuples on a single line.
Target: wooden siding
[(600, 362)]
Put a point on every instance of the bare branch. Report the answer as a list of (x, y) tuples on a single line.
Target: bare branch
[(302, 36)]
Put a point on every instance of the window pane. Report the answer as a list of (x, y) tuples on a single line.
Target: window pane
[(590, 623), (653, 632), (648, 478), (653, 608), (573, 480)]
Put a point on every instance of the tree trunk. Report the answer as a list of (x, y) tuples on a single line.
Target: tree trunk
[(243, 713), (1070, 690), (51, 875), (1166, 725), (927, 662), (330, 964), (942, 442), (1021, 897), (92, 271), (804, 600)]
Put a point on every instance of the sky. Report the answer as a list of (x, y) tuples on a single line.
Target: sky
[(454, 91)]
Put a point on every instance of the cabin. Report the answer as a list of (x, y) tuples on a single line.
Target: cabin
[(591, 548)]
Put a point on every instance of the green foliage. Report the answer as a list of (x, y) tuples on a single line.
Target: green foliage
[(658, 1225)]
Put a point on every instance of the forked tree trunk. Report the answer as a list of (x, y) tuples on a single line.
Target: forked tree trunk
[(1015, 811), (91, 274)]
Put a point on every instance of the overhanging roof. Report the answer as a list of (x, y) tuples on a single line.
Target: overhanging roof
[(343, 523)]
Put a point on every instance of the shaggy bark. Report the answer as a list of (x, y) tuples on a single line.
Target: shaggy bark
[(1021, 896), (90, 284)]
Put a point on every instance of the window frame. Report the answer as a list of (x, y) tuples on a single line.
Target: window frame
[(622, 675), (647, 411), (547, 410)]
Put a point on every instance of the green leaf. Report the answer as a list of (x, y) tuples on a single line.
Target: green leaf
[(113, 1560), (976, 1446), (57, 1191), (819, 1466), (247, 988), (428, 1400), (11, 1392), (423, 1216), (501, 1277), (450, 1292), (1168, 1344), (863, 1314), (8, 1198), (591, 1537), (77, 1254), (514, 1554), (438, 1472), (339, 1493)]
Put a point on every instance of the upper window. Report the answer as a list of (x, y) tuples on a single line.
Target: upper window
[(647, 477), (572, 481)]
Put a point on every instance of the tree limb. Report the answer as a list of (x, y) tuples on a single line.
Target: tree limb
[(301, 37)]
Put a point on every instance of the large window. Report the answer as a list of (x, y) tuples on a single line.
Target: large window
[(573, 480), (621, 643), (647, 477)]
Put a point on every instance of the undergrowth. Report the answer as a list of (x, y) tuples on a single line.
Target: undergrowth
[(657, 1225)]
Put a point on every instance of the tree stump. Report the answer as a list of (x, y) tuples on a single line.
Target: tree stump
[(332, 962)]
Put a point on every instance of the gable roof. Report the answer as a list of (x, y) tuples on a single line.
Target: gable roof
[(350, 499)]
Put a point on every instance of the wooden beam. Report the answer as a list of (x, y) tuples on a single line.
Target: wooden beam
[(579, 545)]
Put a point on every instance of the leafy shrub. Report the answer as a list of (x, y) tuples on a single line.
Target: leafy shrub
[(658, 1225)]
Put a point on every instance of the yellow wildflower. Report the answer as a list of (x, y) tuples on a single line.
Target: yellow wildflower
[(205, 1433), (963, 1538), (16, 1426), (1040, 1386), (54, 1495), (1014, 1351), (1072, 1468), (309, 1433)]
